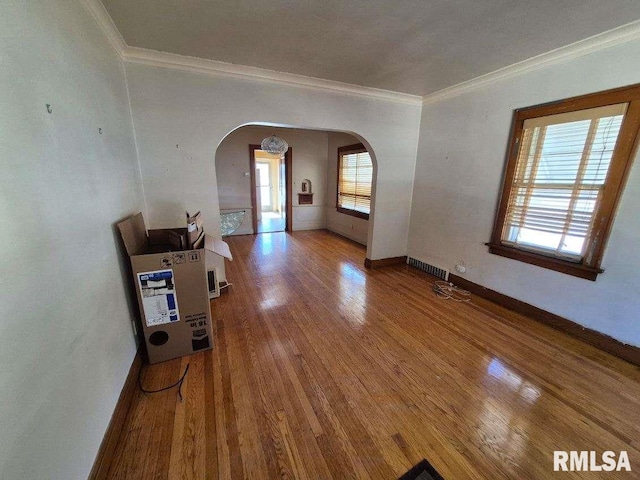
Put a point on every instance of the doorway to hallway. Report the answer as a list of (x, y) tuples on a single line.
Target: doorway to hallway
[(270, 190)]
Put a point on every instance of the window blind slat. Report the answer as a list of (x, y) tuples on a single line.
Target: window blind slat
[(354, 181), (560, 172)]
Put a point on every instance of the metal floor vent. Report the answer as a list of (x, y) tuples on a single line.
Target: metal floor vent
[(428, 268)]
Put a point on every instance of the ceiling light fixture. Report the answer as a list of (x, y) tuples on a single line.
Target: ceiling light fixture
[(274, 145)]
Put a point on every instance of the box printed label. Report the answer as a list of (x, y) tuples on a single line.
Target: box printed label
[(166, 262), (159, 301)]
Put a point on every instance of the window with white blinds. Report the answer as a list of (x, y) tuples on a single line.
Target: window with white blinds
[(566, 168), (560, 174), (355, 174)]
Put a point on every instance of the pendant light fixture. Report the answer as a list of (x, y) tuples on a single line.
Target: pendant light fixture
[(274, 145)]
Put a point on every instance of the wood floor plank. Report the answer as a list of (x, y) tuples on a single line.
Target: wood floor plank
[(301, 419), (322, 369), (247, 410), (365, 406), (330, 410), (223, 432), (312, 457), (209, 414), (228, 426), (289, 441), (158, 451), (145, 443), (424, 439), (265, 412)]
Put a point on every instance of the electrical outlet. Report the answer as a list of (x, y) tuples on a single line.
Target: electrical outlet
[(461, 267)]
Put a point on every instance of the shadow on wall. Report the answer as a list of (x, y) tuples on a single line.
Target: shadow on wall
[(126, 272)]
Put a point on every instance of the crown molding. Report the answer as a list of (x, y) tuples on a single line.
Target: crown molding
[(156, 58), (105, 22), (610, 38), (623, 34)]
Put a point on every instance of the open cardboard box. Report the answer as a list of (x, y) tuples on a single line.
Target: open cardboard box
[(170, 279)]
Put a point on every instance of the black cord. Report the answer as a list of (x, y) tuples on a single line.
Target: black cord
[(178, 383)]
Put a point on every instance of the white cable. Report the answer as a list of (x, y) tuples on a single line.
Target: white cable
[(449, 291)]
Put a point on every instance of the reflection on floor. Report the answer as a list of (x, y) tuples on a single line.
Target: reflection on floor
[(271, 222), (322, 369)]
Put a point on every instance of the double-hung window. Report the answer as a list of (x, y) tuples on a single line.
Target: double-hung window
[(565, 173), (355, 174)]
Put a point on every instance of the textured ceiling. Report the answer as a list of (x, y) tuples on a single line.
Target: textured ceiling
[(409, 46)]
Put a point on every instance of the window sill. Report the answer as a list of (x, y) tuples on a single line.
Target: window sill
[(353, 213), (563, 266)]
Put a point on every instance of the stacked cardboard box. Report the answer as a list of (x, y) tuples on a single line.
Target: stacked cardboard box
[(170, 278)]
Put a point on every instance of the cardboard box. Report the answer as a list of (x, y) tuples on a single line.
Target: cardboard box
[(171, 287), (194, 228), (176, 238)]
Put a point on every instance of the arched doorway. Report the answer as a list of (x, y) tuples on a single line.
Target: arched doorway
[(313, 173)]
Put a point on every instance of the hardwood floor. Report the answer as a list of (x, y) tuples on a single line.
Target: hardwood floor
[(322, 369)]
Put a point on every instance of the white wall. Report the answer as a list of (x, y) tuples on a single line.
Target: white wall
[(196, 111), (309, 162), (355, 228), (309, 150), (458, 178), (66, 340)]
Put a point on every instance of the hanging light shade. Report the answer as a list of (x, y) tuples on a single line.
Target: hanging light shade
[(274, 145)]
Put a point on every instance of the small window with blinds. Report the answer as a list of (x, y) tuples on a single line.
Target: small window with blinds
[(355, 173), (566, 169)]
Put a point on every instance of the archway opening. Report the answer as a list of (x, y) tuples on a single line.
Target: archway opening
[(326, 181)]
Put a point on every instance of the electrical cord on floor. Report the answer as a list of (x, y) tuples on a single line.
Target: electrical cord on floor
[(177, 384), (449, 291)]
